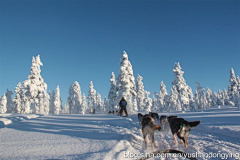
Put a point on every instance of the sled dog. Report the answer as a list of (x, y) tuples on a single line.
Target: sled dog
[(154, 115), (148, 127), (140, 118), (181, 128), (164, 121)]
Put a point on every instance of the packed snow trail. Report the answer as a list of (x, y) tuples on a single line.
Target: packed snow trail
[(112, 137), (64, 137)]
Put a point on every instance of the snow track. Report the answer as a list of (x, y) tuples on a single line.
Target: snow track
[(112, 137)]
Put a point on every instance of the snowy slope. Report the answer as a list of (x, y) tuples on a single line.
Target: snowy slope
[(112, 137)]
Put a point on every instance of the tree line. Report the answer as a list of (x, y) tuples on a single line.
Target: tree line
[(31, 95)]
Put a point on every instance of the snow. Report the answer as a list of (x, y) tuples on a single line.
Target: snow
[(109, 137)]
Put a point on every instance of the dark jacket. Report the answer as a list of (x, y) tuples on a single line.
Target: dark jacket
[(123, 103)]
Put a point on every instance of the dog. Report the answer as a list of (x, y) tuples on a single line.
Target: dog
[(181, 128), (148, 127), (164, 122), (154, 115), (140, 118), (111, 112)]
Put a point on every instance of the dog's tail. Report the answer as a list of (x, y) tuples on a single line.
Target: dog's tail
[(194, 123)]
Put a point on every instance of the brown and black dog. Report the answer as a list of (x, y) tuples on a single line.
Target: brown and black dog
[(148, 127)]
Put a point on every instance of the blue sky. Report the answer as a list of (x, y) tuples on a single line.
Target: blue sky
[(84, 40)]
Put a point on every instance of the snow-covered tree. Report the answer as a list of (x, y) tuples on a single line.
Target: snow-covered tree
[(173, 100), (225, 97), (51, 102), (140, 93), (44, 103), (3, 104), (57, 101), (155, 102), (126, 82), (105, 105), (10, 104), (65, 109), (238, 80), (135, 106), (35, 85), (163, 97), (112, 95), (233, 86), (182, 88), (209, 97), (74, 98), (83, 109), (99, 103), (91, 98), (200, 98), (147, 101), (18, 98), (214, 98), (220, 97)]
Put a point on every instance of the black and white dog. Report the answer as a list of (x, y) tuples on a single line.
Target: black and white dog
[(154, 115), (181, 128), (140, 118)]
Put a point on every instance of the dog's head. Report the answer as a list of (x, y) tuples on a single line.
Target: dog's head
[(140, 115), (170, 118)]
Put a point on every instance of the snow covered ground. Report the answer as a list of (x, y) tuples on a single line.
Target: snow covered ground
[(112, 137)]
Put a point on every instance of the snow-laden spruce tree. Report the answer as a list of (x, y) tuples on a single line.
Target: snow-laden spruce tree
[(155, 103), (226, 97), (3, 104), (135, 106), (105, 105), (91, 98), (84, 107), (51, 102), (233, 86), (126, 83), (10, 104), (99, 103), (41, 102), (35, 85), (238, 80), (174, 102), (200, 98), (112, 95), (147, 101), (184, 91), (163, 97), (209, 97), (220, 98), (140, 93), (65, 109), (238, 101), (57, 101), (44, 103), (214, 98), (71, 102), (18, 99), (75, 98)]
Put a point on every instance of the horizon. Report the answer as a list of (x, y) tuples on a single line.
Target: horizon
[(84, 41)]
